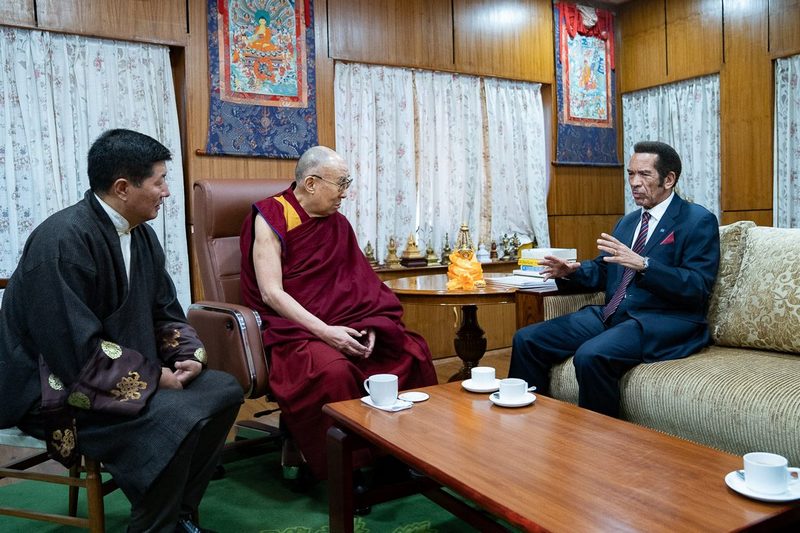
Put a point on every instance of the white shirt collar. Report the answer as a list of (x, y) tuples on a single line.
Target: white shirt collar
[(121, 224), (657, 211), (123, 228)]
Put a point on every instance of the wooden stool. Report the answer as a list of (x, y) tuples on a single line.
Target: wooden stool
[(92, 482)]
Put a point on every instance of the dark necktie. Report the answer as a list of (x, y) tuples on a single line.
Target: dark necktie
[(627, 276)]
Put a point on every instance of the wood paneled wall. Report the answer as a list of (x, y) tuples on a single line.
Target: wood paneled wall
[(784, 37), (18, 12), (663, 41), (505, 39), (642, 53), (668, 40), (746, 96), (392, 32), (162, 21), (511, 39)]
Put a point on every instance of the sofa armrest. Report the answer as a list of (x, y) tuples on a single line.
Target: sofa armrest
[(535, 307), (231, 334)]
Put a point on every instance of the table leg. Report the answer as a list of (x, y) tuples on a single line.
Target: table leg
[(470, 342), (340, 482)]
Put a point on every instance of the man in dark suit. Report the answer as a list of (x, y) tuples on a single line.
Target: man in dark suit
[(657, 267)]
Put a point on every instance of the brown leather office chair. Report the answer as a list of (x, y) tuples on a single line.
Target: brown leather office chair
[(230, 331)]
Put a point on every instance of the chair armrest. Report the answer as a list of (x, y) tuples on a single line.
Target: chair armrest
[(231, 334), (535, 307)]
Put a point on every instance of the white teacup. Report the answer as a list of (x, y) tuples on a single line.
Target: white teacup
[(382, 389), (482, 376), (768, 473), (512, 389)]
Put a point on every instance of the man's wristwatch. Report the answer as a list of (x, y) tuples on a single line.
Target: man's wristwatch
[(645, 263)]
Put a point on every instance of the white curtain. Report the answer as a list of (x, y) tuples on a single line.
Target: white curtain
[(58, 93), (430, 151), (375, 135), (451, 169), (787, 143), (518, 205), (684, 115)]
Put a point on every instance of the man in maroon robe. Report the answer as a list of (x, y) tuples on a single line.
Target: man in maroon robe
[(329, 320)]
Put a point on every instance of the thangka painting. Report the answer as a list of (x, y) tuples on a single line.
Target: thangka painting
[(585, 86), (261, 65)]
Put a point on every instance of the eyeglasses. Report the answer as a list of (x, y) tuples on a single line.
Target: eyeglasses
[(342, 185)]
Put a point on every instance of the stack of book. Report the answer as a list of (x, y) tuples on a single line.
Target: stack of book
[(530, 260), (522, 282)]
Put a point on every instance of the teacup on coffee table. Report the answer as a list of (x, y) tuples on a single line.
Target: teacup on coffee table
[(482, 380)]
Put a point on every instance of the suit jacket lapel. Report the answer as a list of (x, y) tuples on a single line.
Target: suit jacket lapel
[(628, 226), (665, 225)]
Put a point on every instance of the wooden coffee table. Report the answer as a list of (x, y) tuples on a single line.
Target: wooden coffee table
[(551, 466)]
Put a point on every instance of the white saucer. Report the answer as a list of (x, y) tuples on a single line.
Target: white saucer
[(737, 483), (472, 387), (414, 396), (527, 399), (398, 405)]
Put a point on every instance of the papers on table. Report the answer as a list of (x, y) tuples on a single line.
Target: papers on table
[(523, 282), (529, 273), (567, 254)]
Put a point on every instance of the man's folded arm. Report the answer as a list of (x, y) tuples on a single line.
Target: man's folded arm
[(77, 364)]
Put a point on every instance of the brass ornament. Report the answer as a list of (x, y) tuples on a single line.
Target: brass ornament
[(64, 441), (79, 400), (54, 382), (464, 246), (200, 355), (170, 340), (128, 387), (112, 350)]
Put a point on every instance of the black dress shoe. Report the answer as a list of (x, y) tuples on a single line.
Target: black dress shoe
[(187, 526)]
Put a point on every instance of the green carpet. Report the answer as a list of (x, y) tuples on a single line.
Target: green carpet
[(252, 497)]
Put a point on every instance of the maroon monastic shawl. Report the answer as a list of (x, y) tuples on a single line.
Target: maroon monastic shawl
[(313, 256)]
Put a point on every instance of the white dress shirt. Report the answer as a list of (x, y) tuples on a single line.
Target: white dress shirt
[(656, 213), (123, 228)]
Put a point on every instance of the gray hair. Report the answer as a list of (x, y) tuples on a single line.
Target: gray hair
[(312, 160)]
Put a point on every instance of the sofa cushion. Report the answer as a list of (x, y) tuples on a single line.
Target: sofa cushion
[(558, 305), (563, 384), (731, 243), (763, 310), (737, 400)]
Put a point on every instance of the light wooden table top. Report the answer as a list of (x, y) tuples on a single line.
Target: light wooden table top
[(557, 467), (432, 290)]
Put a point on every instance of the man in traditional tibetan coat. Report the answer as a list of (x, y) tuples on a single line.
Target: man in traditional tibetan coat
[(95, 352), (329, 320)]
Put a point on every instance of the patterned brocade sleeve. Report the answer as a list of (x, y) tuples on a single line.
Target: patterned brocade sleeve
[(115, 380), (178, 341)]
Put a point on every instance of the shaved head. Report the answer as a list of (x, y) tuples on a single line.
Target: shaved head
[(314, 160)]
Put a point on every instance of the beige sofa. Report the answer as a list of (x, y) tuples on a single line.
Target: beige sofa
[(743, 393)]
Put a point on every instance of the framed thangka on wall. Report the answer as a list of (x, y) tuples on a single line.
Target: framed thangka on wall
[(261, 67), (585, 86)]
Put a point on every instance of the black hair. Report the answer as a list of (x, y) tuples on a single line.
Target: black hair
[(121, 153), (668, 159)]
